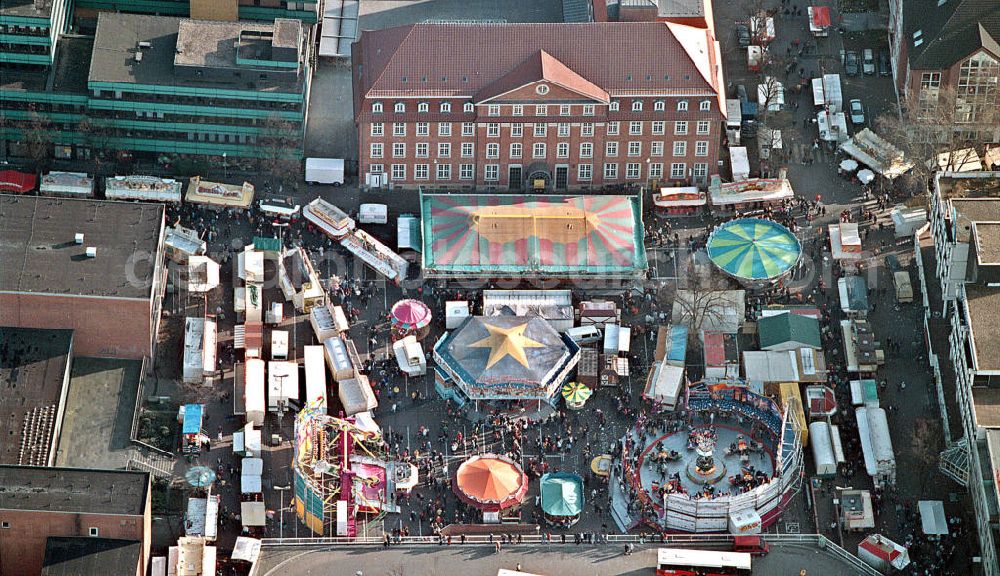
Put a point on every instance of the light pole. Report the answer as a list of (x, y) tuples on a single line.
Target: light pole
[(281, 514)]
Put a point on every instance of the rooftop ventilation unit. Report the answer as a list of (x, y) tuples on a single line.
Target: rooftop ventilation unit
[(78, 238), (138, 56), (91, 252), (145, 44)]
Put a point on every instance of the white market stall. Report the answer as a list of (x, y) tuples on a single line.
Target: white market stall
[(251, 470), (143, 188), (821, 441), (873, 151), (254, 394), (740, 162), (832, 126), (356, 395), (410, 356), (455, 312), (74, 184), (338, 360), (282, 384), (331, 220), (219, 196), (665, 384), (315, 371), (876, 445)]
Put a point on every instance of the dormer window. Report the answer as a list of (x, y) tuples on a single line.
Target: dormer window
[(637, 105), (423, 107), (659, 106), (470, 107), (445, 107), (399, 108), (682, 106), (705, 105), (613, 106), (376, 107)]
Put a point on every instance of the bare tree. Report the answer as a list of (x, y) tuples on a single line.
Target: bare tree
[(705, 302), (925, 445), (38, 138), (279, 142), (97, 133)]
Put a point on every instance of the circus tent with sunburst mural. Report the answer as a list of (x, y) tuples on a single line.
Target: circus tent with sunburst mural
[(503, 361), (470, 235)]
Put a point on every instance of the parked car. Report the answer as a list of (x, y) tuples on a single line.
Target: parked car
[(868, 61), (743, 35), (884, 67), (851, 63), (857, 112)]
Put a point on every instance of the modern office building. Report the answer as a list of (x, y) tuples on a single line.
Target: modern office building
[(965, 223), (29, 31), (38, 503), (91, 266), (538, 106), (158, 85), (305, 10)]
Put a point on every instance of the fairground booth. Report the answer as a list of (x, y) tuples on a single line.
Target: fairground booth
[(562, 498), (754, 251), (491, 483)]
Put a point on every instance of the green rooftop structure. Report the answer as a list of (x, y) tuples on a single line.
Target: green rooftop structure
[(788, 331), (550, 236)]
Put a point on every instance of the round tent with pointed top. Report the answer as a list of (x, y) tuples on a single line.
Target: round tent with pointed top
[(490, 482), (410, 317), (562, 498), (754, 250)]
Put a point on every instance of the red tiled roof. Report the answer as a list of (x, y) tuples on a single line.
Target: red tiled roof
[(621, 58), (542, 66)]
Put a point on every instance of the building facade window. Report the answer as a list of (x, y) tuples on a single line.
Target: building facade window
[(587, 129), (515, 149), (701, 148), (445, 107), (613, 128), (586, 150), (978, 94), (611, 149), (466, 171), (632, 171), (656, 148), (444, 150), (492, 150), (421, 171), (423, 128), (635, 128), (491, 172), (659, 106), (468, 129), (635, 148), (376, 168), (422, 150), (538, 150), (468, 149), (399, 172), (516, 130), (562, 150), (541, 110), (564, 109), (517, 110), (376, 150), (562, 129), (588, 109), (613, 106), (540, 130), (704, 127), (930, 91), (656, 170), (680, 148), (680, 128), (682, 106), (677, 170), (376, 107), (423, 107), (399, 150), (469, 107), (444, 128), (399, 128), (493, 110), (584, 172), (658, 128), (700, 170), (443, 172), (399, 108), (378, 129), (610, 171), (493, 130)]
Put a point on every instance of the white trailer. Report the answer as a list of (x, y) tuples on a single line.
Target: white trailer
[(315, 370), (821, 441), (832, 94), (734, 118), (771, 93), (337, 359), (282, 384), (254, 392), (194, 350), (323, 322), (356, 395), (279, 344), (254, 301), (373, 214), (325, 171), (876, 444), (740, 162)]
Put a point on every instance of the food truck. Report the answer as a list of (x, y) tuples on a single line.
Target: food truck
[(190, 416), (315, 370)]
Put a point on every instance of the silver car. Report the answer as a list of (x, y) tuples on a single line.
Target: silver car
[(857, 112), (868, 61)]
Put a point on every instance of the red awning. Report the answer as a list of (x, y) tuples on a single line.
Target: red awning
[(821, 16), (14, 181)]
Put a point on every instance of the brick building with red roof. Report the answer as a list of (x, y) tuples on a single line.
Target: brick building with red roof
[(532, 106)]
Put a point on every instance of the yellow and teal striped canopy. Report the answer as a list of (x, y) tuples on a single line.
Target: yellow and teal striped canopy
[(753, 248), (576, 392)]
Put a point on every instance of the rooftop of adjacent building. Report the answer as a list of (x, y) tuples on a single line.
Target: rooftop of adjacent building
[(28, 8), (97, 418), (988, 242), (33, 364), (987, 404), (68, 74), (984, 308), (86, 556), (180, 42), (37, 245), (73, 490)]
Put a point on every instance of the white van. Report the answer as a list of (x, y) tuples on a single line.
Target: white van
[(585, 334), (904, 289), (373, 214)]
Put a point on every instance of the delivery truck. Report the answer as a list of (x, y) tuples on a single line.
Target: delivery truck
[(325, 171)]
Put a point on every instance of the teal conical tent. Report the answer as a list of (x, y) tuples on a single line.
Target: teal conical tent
[(562, 494), (753, 249)]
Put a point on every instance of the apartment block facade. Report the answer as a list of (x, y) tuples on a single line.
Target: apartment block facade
[(29, 31), (556, 107)]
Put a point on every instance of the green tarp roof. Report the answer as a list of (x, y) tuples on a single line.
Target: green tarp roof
[(788, 327), (266, 244)]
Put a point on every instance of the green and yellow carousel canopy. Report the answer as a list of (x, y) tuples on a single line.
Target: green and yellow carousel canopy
[(753, 249)]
